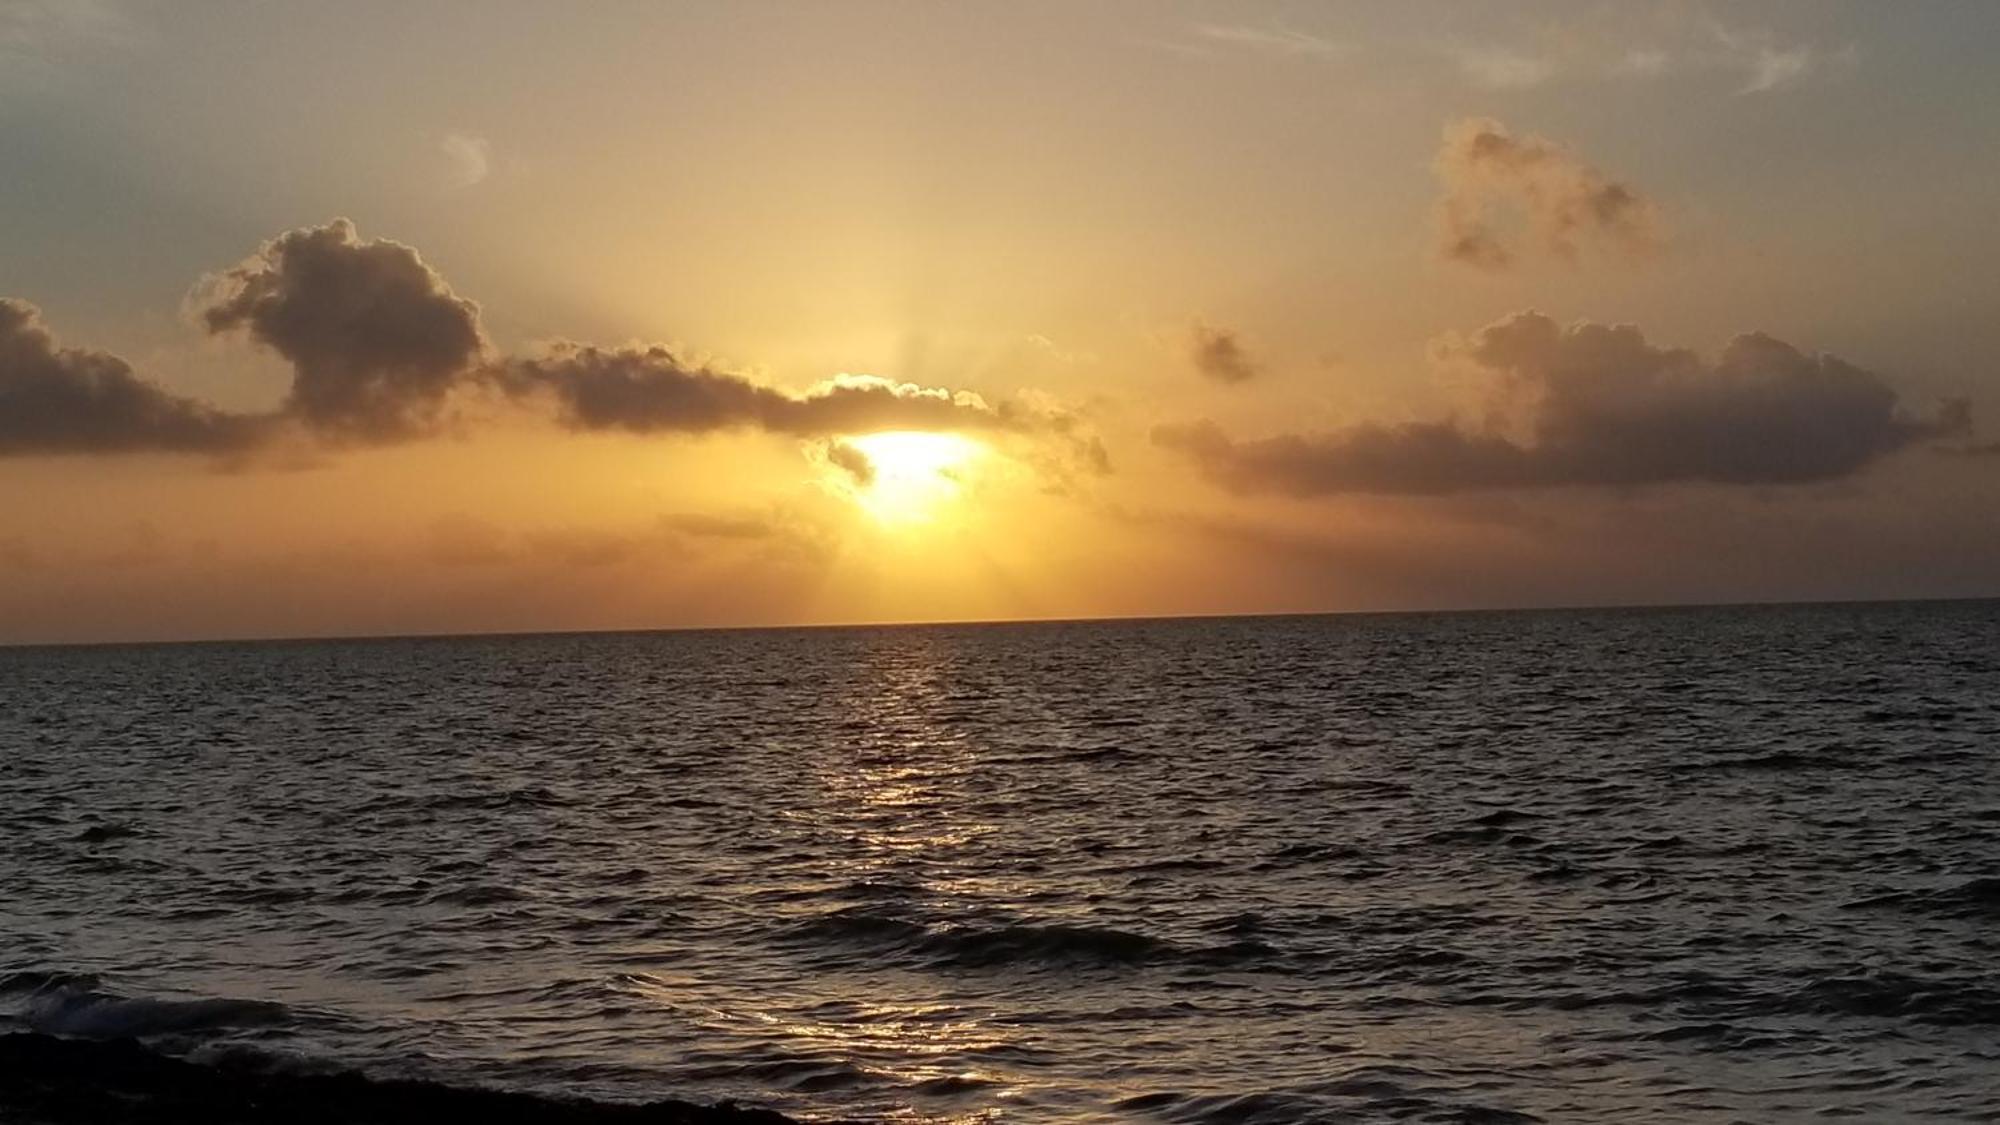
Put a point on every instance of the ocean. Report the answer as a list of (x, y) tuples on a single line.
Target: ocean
[(1723, 864)]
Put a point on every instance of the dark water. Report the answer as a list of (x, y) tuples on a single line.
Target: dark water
[(1697, 865)]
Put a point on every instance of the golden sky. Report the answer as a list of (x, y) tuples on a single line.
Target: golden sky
[(435, 317)]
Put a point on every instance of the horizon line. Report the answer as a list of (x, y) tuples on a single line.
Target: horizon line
[(998, 622)]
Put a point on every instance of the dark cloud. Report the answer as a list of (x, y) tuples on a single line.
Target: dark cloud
[(375, 337), (1594, 404), (841, 455), (649, 390), (73, 400), (378, 344), (1219, 354), (1495, 181)]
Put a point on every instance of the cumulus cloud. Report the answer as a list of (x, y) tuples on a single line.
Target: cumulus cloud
[(73, 400), (1505, 193), (1219, 354), (1594, 404), (375, 337)]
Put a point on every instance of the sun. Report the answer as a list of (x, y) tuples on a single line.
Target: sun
[(903, 477)]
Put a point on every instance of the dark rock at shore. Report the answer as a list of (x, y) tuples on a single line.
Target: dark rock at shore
[(48, 1081)]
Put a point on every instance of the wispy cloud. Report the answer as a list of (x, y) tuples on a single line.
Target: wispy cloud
[(1498, 68), (35, 27), (1760, 61), (40, 39), (470, 158), (1768, 64), (1276, 40)]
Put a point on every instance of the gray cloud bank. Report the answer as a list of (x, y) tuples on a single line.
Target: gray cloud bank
[(379, 345), (1594, 404)]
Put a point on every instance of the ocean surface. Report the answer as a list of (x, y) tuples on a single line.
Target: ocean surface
[(1693, 865)]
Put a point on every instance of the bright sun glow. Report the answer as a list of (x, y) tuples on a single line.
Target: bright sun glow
[(904, 477)]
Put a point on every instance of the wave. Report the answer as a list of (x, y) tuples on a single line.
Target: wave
[(482, 800), (76, 1004), (1972, 899), (1785, 761), (105, 833), (46, 1080), (1700, 1001), (1013, 944), (1365, 1095), (1938, 1001), (801, 1075)]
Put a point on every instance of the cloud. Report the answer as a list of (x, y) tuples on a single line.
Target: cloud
[(786, 536), (1219, 354), (1632, 43), (1594, 404), (1491, 176), (378, 341), (375, 337), (583, 547), (850, 458), (72, 400), (1498, 68), (1980, 449), (470, 158), (379, 345), (1272, 40), (458, 539), (706, 525), (646, 390), (1772, 68), (17, 553), (1768, 64), (38, 37), (466, 542)]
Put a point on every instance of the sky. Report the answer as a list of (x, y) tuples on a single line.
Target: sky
[(468, 317)]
